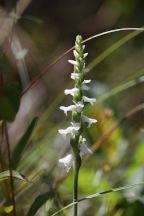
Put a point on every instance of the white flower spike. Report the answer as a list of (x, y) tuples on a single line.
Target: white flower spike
[(77, 142), (88, 120), (66, 162), (80, 85), (89, 100)]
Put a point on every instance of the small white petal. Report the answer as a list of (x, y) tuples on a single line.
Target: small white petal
[(75, 75), (75, 53), (89, 100), (83, 46), (76, 126), (86, 81), (64, 132), (77, 47), (71, 91), (66, 162), (73, 62), (85, 55), (86, 70), (79, 106), (85, 87), (88, 120), (84, 149), (69, 108), (82, 139)]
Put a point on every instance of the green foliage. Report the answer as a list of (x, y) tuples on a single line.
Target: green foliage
[(22, 144), (38, 202), (6, 175), (9, 102)]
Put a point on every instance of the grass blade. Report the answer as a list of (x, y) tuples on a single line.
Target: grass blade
[(100, 194), (38, 202), (6, 174), (22, 143)]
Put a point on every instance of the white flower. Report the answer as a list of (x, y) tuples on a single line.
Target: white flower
[(70, 130), (69, 108), (85, 55), (75, 75), (71, 91), (83, 147), (78, 108), (85, 87), (86, 81), (75, 53), (66, 162), (73, 62), (89, 100), (76, 126), (88, 120), (86, 70)]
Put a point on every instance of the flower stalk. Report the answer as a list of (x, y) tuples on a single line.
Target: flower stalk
[(77, 142)]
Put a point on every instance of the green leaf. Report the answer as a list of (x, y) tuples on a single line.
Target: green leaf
[(38, 202), (22, 143), (99, 194), (6, 175), (9, 102)]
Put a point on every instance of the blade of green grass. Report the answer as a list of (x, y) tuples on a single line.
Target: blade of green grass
[(100, 194), (38, 202), (22, 143), (6, 174), (131, 81)]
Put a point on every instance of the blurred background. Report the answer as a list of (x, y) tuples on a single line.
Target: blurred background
[(35, 33)]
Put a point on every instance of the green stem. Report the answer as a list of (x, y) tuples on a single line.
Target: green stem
[(75, 184)]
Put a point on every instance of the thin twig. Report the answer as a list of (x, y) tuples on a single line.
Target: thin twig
[(10, 168), (39, 77)]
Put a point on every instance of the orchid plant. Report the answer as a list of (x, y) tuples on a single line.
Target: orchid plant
[(75, 130)]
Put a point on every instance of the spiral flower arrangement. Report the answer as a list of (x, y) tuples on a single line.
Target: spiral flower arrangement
[(75, 130)]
